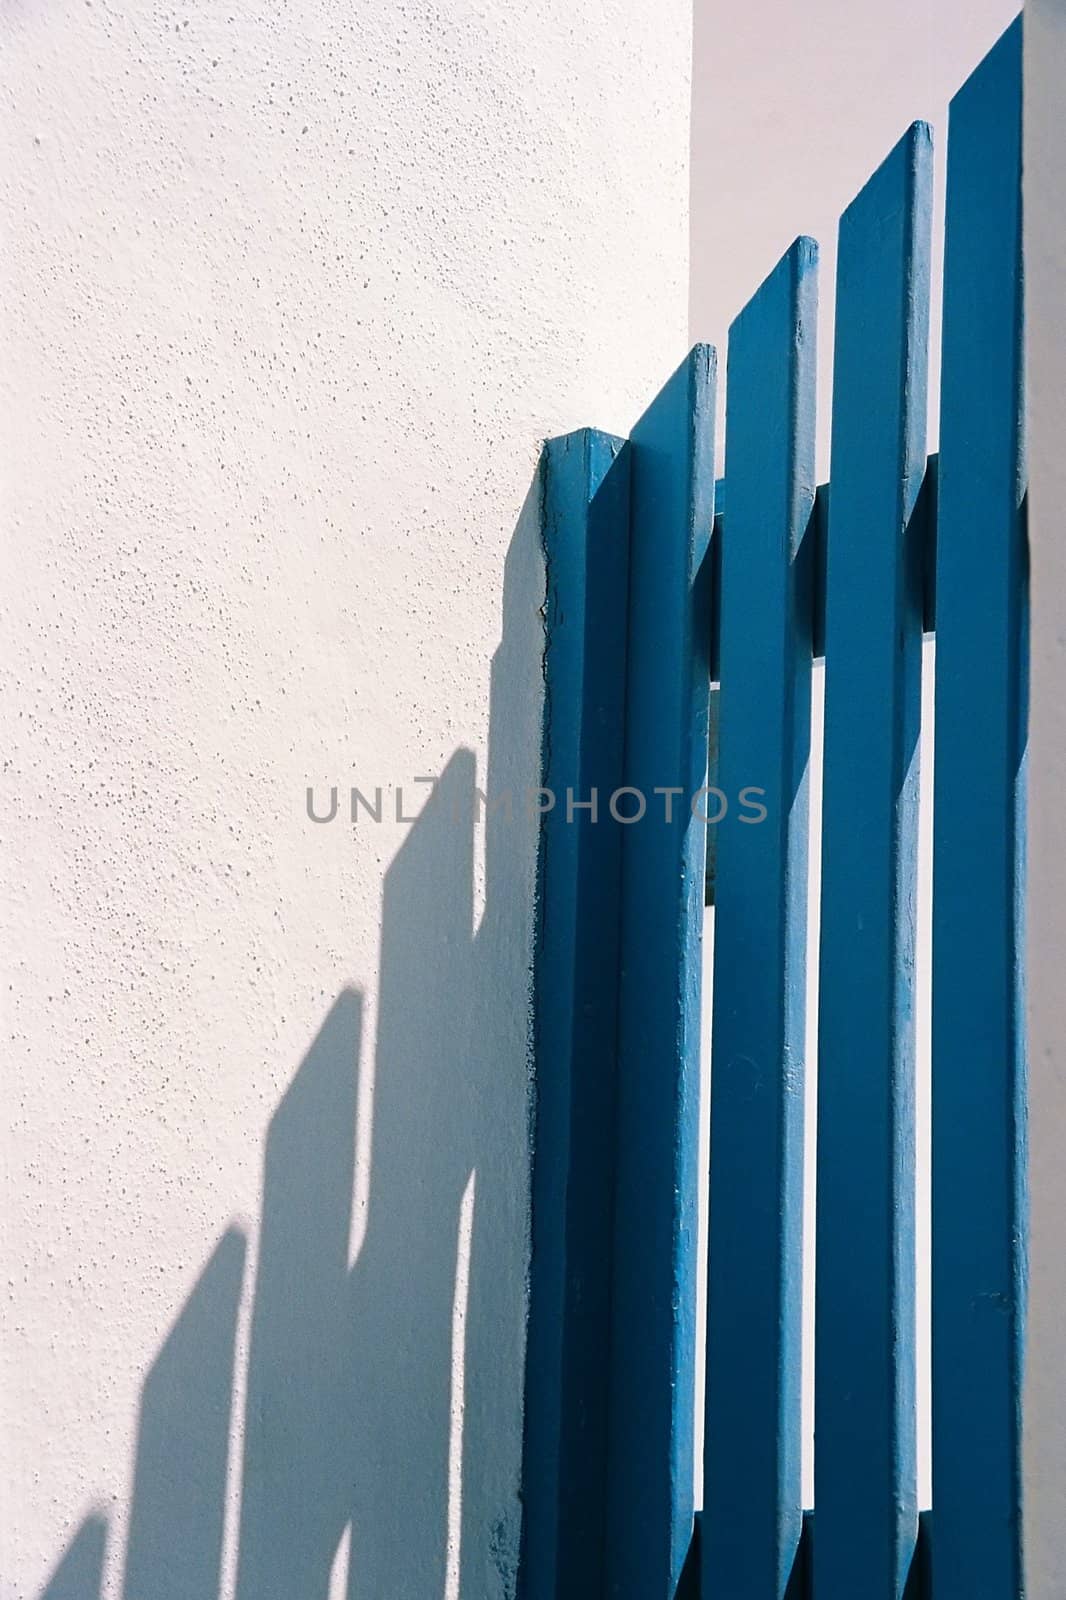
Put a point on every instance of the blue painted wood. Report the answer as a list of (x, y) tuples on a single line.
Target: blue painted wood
[(865, 1489), (650, 1511), (752, 1456), (924, 521), (979, 1209), (586, 538)]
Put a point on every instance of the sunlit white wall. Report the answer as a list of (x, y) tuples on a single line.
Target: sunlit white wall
[(291, 295), (1045, 237)]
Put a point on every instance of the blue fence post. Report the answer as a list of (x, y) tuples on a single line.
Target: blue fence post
[(632, 644), (979, 1146), (752, 1458), (586, 539), (652, 1356), (866, 1514)]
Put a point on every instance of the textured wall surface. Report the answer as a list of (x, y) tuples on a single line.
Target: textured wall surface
[(291, 296), (1045, 243)]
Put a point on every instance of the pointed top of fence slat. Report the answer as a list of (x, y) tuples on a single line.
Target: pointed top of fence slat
[(799, 259), (1002, 63), (910, 159), (674, 438), (697, 369), (883, 283), (770, 399)]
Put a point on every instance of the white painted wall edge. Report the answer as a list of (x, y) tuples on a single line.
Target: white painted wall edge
[(1044, 1435)]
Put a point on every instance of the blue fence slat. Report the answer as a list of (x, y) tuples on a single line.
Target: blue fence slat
[(652, 1358), (586, 539), (752, 1451), (978, 1220), (865, 1472)]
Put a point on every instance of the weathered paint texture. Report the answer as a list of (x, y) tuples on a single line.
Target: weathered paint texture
[(979, 1221), (660, 1018), (865, 1468), (575, 1024), (752, 1439)]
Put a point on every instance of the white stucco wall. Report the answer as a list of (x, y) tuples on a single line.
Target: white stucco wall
[(1045, 239), (291, 295)]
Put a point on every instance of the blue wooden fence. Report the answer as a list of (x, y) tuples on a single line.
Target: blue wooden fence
[(653, 596)]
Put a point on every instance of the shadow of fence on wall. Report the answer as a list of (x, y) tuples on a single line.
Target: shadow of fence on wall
[(381, 1424)]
